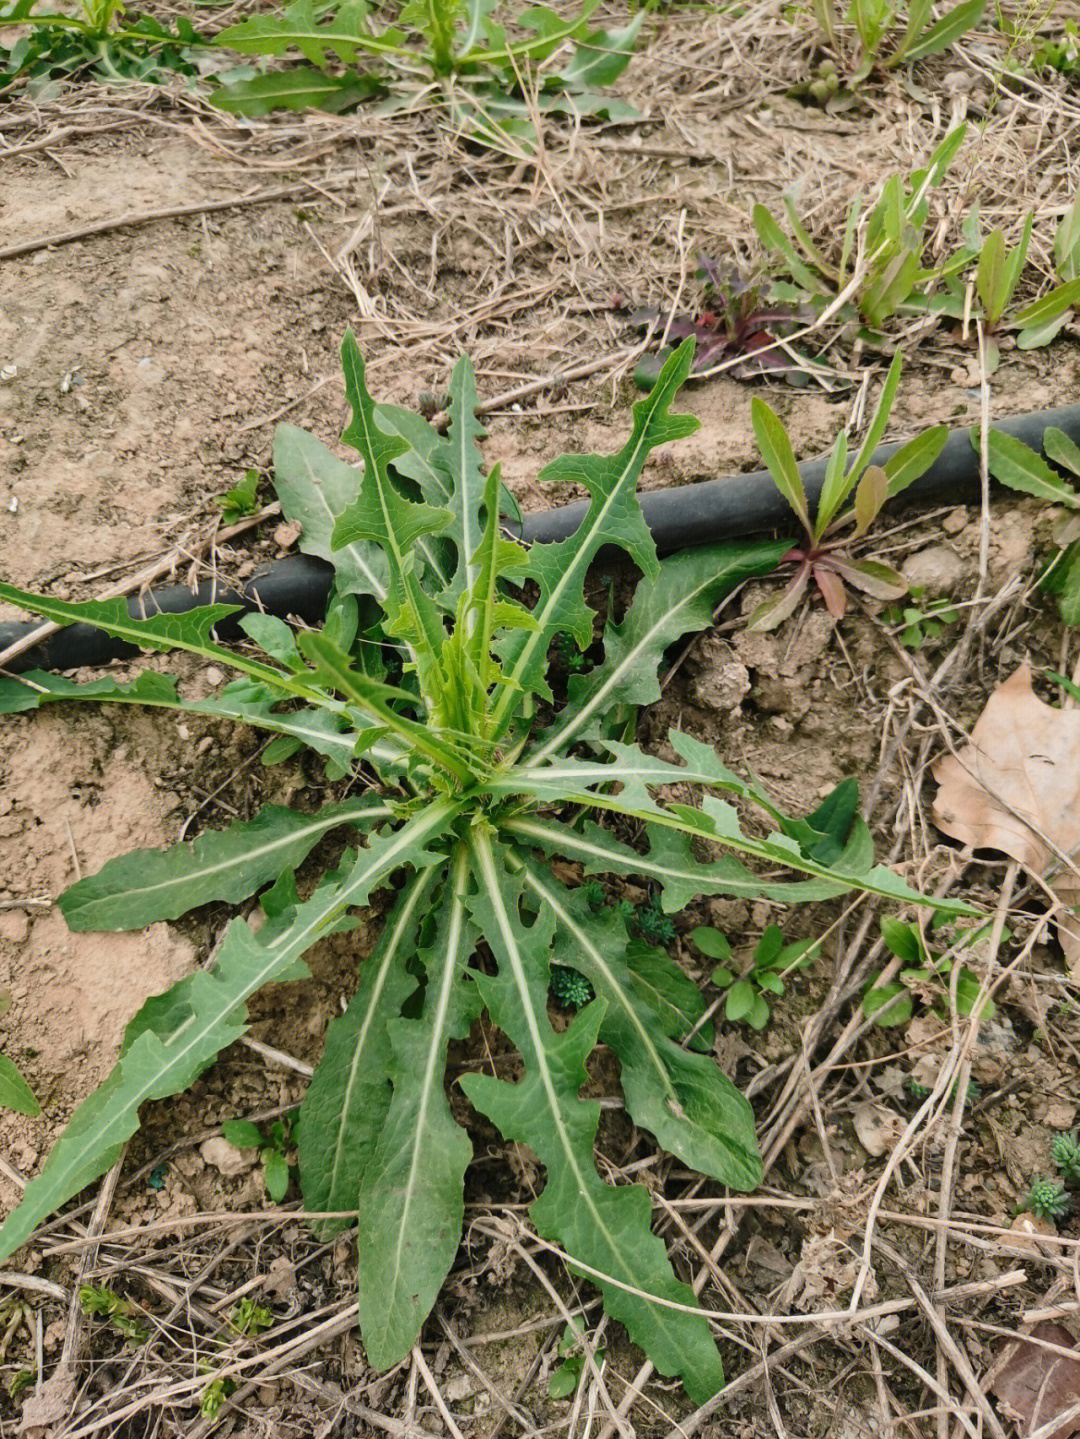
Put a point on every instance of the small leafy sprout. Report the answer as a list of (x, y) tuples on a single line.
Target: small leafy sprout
[(922, 621), (15, 1093), (19, 1381), (96, 1299), (883, 44), (471, 792), (570, 988), (1046, 1199), (240, 500), (1019, 467), (568, 654), (1065, 1150), (825, 86), (998, 275), (652, 924), (273, 1151), (822, 556), (891, 1004), (772, 961), (894, 279), (1062, 55), (565, 1379), (250, 1318), (214, 1395), (919, 1091), (735, 322), (156, 1178), (594, 894)]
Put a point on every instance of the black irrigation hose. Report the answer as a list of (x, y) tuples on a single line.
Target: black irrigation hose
[(679, 518)]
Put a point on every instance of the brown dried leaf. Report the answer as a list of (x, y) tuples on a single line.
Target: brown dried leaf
[(877, 1128), (1035, 1385), (1017, 786), (53, 1405)]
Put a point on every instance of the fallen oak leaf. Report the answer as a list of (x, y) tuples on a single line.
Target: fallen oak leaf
[(1035, 1384), (1016, 788)]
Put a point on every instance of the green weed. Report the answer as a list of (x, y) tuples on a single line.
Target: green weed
[(1046, 1199), (97, 40), (274, 1151), (926, 974), (458, 39), (773, 961), (468, 782), (823, 556), (15, 1093)]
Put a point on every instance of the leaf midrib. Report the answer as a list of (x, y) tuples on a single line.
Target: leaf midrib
[(394, 940)]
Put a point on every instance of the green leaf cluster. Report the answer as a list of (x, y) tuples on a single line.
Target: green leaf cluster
[(428, 688), (95, 40), (274, 1150), (927, 974), (822, 555), (892, 277), (887, 34), (1019, 467), (772, 961), (460, 39)]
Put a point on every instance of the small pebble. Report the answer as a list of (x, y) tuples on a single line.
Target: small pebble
[(214, 675), (226, 1158)]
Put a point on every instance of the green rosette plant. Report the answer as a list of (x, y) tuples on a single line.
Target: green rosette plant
[(469, 779)]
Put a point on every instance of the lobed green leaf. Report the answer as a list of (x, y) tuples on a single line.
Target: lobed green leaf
[(604, 1228), (177, 1035)]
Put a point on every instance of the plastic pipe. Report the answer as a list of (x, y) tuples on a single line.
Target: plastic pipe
[(679, 518)]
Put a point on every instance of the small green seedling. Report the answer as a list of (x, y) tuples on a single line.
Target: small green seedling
[(594, 894), (567, 653), (250, 1318), (773, 960), (22, 1379), (922, 621), (240, 500), (15, 1093), (652, 924), (998, 274), (1019, 467), (892, 1004), (565, 1379), (893, 279), (215, 1393), (1046, 1199), (1061, 54), (1065, 1149), (890, 35), (822, 556), (569, 987), (274, 1153), (96, 1299)]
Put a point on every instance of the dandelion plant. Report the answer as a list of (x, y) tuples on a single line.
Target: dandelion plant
[(465, 779)]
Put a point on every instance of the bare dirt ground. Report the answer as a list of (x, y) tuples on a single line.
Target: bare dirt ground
[(150, 365)]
